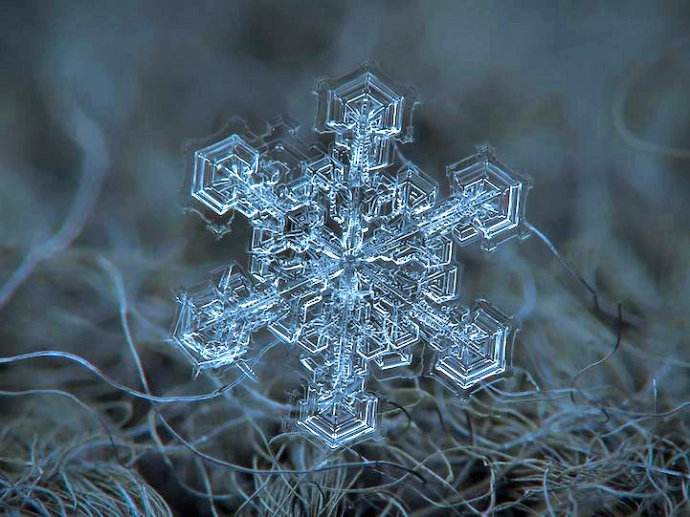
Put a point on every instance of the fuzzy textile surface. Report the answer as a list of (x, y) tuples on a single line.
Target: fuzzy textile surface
[(99, 415)]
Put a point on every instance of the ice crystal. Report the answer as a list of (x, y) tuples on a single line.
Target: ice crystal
[(352, 255)]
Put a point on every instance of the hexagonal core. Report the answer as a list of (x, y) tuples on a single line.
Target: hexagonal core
[(340, 423), (220, 169), (480, 352)]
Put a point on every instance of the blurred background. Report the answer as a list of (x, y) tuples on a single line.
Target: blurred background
[(98, 102)]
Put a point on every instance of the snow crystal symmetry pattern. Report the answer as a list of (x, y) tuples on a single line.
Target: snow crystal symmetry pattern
[(352, 255)]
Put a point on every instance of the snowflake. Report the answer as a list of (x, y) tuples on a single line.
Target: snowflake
[(351, 257)]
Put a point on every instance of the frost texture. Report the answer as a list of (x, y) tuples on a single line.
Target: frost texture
[(352, 256)]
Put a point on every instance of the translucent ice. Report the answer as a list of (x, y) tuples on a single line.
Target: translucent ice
[(352, 255)]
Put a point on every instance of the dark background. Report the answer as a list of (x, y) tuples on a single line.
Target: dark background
[(98, 101)]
